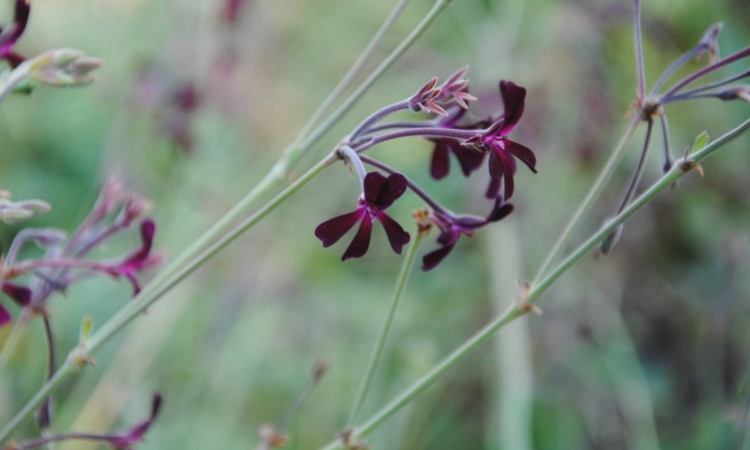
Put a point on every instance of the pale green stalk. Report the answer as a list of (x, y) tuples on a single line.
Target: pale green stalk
[(536, 289), (148, 296), (295, 152), (588, 201), (12, 340), (354, 71), (14, 78), (385, 328)]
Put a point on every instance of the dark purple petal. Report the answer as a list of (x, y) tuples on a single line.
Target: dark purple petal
[(361, 241), (493, 189), (521, 152), (14, 59), (334, 229), (396, 234), (5, 317), (137, 433), (500, 211), (497, 169), (139, 257), (20, 294), (21, 16), (448, 237), (509, 167), (440, 164), (470, 159), (435, 257), (514, 97), (381, 192)]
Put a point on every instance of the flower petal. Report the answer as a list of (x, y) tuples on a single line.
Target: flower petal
[(334, 229), (509, 166), (470, 159), (361, 241), (381, 192), (396, 234), (497, 169), (440, 164), (494, 188), (500, 211), (5, 317), (514, 97), (136, 434), (521, 152), (20, 294), (435, 257)]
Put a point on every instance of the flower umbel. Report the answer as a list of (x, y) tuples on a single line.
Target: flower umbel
[(379, 194)]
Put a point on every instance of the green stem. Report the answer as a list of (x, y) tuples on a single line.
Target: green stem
[(354, 71), (537, 288), (12, 340), (385, 328), (294, 152), (588, 201), (152, 293)]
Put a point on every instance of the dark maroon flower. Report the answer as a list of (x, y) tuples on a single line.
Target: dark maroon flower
[(502, 150), (379, 193), (141, 258), (451, 229), (128, 440), (9, 35), (469, 158)]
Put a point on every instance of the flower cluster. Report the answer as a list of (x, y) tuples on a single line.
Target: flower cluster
[(64, 261), (450, 132)]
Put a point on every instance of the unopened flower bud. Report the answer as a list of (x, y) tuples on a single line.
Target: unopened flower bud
[(710, 42), (12, 216), (741, 92), (37, 207)]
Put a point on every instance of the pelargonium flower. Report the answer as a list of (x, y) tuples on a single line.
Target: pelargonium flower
[(128, 440), (468, 158), (379, 194), (502, 150), (140, 259), (9, 35), (451, 229)]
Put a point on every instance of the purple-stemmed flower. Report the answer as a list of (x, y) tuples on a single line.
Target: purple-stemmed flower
[(379, 194), (140, 259), (10, 34), (451, 229), (135, 435), (502, 150), (468, 158)]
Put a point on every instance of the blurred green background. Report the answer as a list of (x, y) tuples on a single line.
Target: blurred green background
[(650, 344)]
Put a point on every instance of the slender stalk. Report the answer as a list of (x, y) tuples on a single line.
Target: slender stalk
[(14, 78), (668, 159), (57, 438), (295, 152), (710, 86), (400, 124), (639, 168), (422, 132), (639, 53), (385, 328), (12, 340), (681, 61), (706, 70), (377, 116), (149, 295), (354, 71), (44, 417), (537, 289), (589, 200)]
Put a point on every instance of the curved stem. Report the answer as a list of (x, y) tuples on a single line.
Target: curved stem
[(668, 159), (44, 418), (401, 124), (377, 116), (354, 71), (589, 199), (14, 78), (149, 295), (536, 289), (639, 169), (681, 61), (707, 87), (60, 437), (421, 132), (639, 53), (385, 328)]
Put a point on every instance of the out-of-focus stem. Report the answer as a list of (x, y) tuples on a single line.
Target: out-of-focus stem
[(588, 201), (385, 328), (295, 152), (12, 340), (639, 169), (354, 71), (536, 289), (16, 76), (639, 53), (149, 295)]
